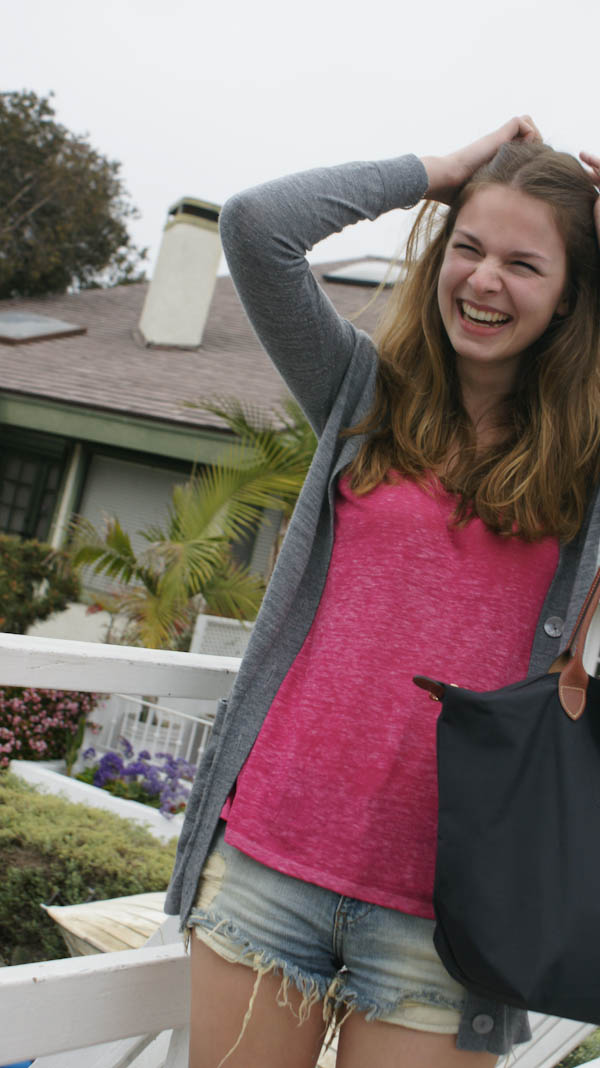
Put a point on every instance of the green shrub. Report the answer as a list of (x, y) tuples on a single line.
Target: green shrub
[(587, 1051), (53, 850), (35, 581)]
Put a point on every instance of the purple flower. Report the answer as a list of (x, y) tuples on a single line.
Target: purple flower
[(126, 746), (110, 767), (172, 797), (137, 767), (159, 777)]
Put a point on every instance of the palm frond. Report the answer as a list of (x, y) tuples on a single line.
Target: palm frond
[(245, 482), (110, 552), (153, 533), (242, 418), (201, 507), (255, 426), (190, 565), (235, 592), (154, 615)]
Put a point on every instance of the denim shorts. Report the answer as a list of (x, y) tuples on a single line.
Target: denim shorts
[(346, 953)]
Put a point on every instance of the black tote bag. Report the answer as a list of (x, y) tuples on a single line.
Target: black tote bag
[(517, 883)]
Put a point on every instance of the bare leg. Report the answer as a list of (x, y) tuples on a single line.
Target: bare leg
[(385, 1045), (221, 994)]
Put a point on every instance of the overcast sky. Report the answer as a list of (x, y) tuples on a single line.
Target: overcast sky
[(203, 99)]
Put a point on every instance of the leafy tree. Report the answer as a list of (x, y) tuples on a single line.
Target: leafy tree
[(35, 582), (64, 211), (188, 565)]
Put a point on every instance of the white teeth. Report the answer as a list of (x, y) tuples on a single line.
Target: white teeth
[(483, 316)]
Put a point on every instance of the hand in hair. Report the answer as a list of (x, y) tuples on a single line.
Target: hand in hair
[(593, 166), (447, 174)]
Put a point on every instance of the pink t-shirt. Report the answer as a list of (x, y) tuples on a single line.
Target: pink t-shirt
[(340, 788)]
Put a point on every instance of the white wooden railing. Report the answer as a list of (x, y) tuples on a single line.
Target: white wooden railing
[(120, 1010), (49, 1008), (146, 724)]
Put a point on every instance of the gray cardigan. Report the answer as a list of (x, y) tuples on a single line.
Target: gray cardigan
[(330, 367)]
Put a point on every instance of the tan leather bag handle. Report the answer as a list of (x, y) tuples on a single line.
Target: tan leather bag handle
[(573, 681)]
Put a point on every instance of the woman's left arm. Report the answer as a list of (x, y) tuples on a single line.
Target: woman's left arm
[(266, 232)]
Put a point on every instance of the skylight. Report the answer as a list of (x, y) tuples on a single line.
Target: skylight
[(366, 273), (19, 327)]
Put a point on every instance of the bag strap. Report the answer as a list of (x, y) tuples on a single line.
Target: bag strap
[(573, 680)]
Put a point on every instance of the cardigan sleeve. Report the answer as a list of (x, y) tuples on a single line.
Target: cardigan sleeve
[(266, 232)]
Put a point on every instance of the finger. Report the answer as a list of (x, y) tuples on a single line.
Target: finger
[(516, 129), (594, 176), (509, 130), (592, 166), (528, 130), (592, 161)]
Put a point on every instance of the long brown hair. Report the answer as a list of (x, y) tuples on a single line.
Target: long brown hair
[(538, 479)]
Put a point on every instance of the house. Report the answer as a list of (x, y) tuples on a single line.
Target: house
[(97, 387)]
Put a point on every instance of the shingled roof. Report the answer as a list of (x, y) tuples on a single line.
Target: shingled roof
[(109, 368)]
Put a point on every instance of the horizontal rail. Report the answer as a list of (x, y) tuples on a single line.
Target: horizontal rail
[(66, 1004), (55, 663), (152, 706), (119, 718), (146, 725)]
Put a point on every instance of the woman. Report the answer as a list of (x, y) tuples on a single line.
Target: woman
[(448, 527)]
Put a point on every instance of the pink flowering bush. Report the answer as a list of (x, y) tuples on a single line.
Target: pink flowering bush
[(41, 724)]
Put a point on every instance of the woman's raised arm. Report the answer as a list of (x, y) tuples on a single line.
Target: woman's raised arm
[(266, 233)]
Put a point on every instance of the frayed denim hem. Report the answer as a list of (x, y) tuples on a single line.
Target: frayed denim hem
[(377, 1010), (313, 989), (339, 1000)]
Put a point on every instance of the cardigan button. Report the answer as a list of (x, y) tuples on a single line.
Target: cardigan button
[(482, 1024), (554, 626)]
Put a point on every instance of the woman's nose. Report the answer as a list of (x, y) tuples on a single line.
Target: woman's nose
[(485, 278)]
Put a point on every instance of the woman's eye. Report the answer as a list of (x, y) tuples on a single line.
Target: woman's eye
[(528, 266), (467, 248)]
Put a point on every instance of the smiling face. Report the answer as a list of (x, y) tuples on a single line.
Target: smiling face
[(502, 279)]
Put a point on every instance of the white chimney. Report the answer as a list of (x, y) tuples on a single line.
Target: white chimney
[(176, 306)]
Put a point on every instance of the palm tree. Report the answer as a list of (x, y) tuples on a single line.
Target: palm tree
[(282, 444), (188, 566)]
